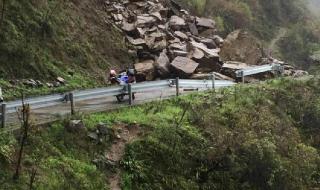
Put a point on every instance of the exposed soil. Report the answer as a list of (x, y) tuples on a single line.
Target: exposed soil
[(126, 135), (273, 46)]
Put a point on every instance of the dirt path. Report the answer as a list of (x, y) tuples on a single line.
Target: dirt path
[(126, 134), (273, 43)]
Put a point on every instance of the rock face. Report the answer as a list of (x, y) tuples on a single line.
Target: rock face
[(184, 66)]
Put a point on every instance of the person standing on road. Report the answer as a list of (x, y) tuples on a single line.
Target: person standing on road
[(131, 76)]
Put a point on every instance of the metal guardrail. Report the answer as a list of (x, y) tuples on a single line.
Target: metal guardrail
[(259, 69), (205, 84), (52, 100)]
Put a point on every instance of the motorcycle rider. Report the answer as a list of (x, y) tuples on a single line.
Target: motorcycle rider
[(113, 78), (124, 78)]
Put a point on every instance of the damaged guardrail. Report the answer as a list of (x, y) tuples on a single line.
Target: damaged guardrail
[(258, 69)]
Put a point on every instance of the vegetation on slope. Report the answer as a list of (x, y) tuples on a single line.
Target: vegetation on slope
[(43, 39), (266, 137), (262, 137)]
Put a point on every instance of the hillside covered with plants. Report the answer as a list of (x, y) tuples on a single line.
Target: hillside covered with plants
[(43, 39), (263, 137)]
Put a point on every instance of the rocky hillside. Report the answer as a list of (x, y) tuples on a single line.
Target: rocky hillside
[(264, 21), (170, 41)]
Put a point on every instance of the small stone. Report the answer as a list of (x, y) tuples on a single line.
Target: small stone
[(93, 136), (61, 80), (30, 83), (49, 85), (39, 83), (56, 84), (75, 126), (102, 129)]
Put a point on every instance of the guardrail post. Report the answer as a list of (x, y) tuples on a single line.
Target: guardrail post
[(177, 87), (213, 78), (3, 115), (72, 103), (130, 94), (242, 76)]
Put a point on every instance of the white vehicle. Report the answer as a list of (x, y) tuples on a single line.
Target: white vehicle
[(1, 97)]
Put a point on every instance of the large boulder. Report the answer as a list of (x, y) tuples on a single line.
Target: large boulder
[(229, 68), (162, 64), (210, 43), (241, 46), (145, 70), (136, 42), (184, 66), (205, 23), (128, 27), (197, 54), (143, 21), (193, 29), (208, 59), (181, 35), (177, 23), (205, 49)]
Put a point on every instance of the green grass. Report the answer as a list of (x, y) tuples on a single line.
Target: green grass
[(75, 82)]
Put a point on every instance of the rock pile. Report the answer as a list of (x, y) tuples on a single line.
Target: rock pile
[(288, 70), (166, 38), (169, 42)]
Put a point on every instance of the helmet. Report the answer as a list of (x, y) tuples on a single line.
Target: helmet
[(113, 72), (131, 72)]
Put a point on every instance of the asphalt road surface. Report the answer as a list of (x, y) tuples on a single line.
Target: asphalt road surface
[(53, 113)]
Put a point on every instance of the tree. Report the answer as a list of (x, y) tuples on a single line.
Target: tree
[(25, 117)]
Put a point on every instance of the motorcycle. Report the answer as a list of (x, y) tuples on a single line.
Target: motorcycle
[(123, 81)]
